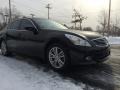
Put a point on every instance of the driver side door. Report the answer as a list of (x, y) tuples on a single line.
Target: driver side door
[(30, 42)]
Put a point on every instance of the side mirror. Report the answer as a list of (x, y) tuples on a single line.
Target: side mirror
[(31, 29)]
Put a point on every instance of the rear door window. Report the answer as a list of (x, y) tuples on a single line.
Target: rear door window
[(14, 25)]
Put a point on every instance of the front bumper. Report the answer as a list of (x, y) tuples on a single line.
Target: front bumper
[(89, 55)]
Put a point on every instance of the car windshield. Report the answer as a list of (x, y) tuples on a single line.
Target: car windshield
[(49, 24)]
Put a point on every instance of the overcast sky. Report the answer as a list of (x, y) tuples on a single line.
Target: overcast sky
[(62, 10)]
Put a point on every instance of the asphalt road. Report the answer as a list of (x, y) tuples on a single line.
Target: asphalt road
[(104, 76)]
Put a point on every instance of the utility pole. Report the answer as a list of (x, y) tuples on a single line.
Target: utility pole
[(48, 7), (32, 15), (10, 14), (109, 16)]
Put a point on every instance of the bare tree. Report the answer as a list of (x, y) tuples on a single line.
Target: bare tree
[(78, 18), (103, 17), (4, 14), (15, 13), (103, 27), (3, 19), (115, 28)]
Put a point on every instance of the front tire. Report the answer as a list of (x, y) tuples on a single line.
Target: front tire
[(57, 57)]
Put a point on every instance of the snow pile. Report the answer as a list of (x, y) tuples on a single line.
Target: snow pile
[(114, 40), (19, 75)]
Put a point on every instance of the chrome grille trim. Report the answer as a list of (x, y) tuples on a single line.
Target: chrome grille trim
[(101, 40)]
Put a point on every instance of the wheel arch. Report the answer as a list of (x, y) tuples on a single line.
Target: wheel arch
[(1, 39), (55, 41)]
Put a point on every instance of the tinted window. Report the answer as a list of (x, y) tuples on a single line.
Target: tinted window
[(25, 23), (14, 25), (49, 24)]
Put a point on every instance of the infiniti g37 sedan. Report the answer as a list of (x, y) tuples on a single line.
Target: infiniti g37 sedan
[(57, 45)]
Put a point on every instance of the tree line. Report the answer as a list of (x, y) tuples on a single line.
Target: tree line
[(4, 16), (102, 26)]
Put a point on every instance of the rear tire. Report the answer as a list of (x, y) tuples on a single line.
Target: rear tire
[(4, 50), (57, 57)]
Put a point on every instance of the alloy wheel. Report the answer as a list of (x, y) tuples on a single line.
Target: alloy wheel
[(56, 57)]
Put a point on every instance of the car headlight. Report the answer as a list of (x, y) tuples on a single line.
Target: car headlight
[(77, 40)]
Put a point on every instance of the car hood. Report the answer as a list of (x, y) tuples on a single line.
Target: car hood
[(88, 34)]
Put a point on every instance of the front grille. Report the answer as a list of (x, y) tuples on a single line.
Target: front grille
[(100, 42), (100, 54)]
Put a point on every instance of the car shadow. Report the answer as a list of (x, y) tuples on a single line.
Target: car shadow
[(99, 75), (95, 76)]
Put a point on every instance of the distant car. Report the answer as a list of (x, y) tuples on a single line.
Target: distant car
[(53, 42)]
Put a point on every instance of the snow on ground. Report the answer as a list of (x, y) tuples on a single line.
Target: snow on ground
[(19, 75), (114, 40)]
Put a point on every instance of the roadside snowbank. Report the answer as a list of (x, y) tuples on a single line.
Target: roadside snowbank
[(18, 75), (114, 40)]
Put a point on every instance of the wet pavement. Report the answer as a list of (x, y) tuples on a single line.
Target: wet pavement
[(105, 76)]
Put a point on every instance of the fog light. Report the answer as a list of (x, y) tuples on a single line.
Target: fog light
[(88, 58)]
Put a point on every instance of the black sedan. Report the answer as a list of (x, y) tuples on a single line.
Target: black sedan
[(59, 46)]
